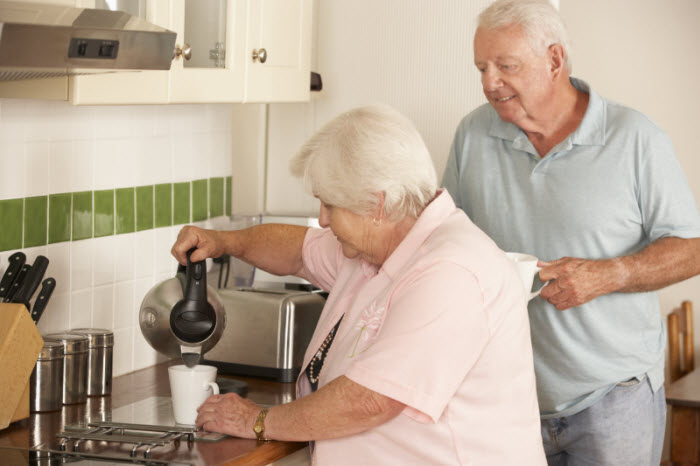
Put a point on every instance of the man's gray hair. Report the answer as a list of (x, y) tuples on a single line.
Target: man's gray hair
[(364, 152), (539, 20)]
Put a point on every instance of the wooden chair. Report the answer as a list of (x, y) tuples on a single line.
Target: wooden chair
[(680, 341), (684, 445)]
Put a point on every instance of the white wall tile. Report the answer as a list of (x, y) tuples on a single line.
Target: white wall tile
[(105, 160), (124, 257), (104, 258), (13, 120), (81, 264), (165, 262), (81, 307), (126, 153), (154, 164), (36, 172), (12, 179), (144, 254), (60, 164), (59, 266), (36, 120), (81, 165), (103, 307), (124, 305), (114, 122), (143, 126), (123, 351), (61, 121), (187, 162), (144, 354), (56, 316)]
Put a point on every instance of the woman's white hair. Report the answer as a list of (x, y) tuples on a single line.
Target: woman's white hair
[(362, 153), (539, 20)]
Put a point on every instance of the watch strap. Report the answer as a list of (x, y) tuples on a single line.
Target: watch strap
[(259, 427)]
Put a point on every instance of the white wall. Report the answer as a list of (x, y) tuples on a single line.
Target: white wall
[(643, 53), (417, 56)]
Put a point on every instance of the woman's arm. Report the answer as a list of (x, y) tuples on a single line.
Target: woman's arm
[(338, 409), (274, 248)]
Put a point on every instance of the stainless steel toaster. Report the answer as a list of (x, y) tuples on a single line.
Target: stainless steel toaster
[(267, 332)]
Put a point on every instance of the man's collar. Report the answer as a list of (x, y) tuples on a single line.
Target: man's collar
[(590, 132)]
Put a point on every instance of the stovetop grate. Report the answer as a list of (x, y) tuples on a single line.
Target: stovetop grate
[(142, 436)]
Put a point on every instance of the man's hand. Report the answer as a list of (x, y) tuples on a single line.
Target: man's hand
[(576, 281)]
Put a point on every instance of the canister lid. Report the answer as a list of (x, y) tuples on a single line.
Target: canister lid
[(51, 350), (98, 337), (72, 342)]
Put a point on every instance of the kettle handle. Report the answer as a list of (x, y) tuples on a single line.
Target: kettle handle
[(196, 274)]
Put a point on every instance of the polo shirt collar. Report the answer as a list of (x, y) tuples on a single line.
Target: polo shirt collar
[(591, 131), (435, 213)]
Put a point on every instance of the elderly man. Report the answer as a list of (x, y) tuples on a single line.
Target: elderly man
[(550, 168)]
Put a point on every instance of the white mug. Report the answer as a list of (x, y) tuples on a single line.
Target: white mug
[(189, 387), (527, 269)]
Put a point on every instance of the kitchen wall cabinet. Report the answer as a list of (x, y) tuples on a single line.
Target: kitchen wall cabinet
[(239, 51)]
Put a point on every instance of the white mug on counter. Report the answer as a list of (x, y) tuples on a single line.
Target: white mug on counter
[(189, 388), (527, 269)]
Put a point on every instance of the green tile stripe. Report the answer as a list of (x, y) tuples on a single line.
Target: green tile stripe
[(54, 218)]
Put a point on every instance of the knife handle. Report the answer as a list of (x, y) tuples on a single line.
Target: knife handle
[(31, 281), (42, 299), (17, 284), (16, 261)]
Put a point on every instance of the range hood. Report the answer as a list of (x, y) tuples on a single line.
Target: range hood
[(42, 41)]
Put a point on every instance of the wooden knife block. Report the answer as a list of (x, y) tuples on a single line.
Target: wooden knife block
[(20, 345)]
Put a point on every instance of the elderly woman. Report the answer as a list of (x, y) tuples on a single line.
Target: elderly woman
[(422, 354)]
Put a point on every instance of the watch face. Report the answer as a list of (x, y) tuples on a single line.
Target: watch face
[(257, 429)]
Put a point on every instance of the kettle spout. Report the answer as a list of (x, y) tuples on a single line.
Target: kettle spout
[(191, 355)]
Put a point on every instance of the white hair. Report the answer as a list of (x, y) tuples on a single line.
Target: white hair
[(364, 152), (539, 20)]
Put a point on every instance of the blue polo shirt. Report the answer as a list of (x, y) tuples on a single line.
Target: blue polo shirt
[(609, 189)]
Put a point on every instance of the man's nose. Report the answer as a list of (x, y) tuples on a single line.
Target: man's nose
[(490, 79)]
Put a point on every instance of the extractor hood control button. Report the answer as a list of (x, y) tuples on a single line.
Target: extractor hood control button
[(93, 48)]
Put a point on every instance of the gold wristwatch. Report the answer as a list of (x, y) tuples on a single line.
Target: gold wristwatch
[(259, 427)]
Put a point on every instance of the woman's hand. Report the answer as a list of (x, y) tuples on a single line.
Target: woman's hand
[(228, 414), (207, 242)]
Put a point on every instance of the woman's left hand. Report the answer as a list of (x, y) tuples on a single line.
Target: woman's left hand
[(228, 414)]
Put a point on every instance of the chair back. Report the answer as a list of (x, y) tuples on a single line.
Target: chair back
[(680, 341)]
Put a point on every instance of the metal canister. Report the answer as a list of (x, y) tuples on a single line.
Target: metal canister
[(75, 353), (46, 382), (99, 366)]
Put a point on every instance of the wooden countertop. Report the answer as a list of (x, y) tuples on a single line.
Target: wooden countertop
[(685, 391), (40, 429)]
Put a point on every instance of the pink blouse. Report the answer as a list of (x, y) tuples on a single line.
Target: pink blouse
[(442, 327)]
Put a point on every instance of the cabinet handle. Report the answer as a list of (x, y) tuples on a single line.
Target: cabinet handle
[(260, 54), (185, 52)]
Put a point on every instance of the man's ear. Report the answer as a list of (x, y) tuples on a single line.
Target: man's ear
[(557, 59)]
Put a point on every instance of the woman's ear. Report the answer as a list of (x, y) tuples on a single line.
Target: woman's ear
[(378, 212)]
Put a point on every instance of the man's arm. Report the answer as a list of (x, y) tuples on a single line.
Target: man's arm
[(662, 263)]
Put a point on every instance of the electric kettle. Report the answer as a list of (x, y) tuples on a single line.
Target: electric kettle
[(182, 316)]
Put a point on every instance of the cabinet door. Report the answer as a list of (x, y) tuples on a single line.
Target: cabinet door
[(282, 28), (214, 32)]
